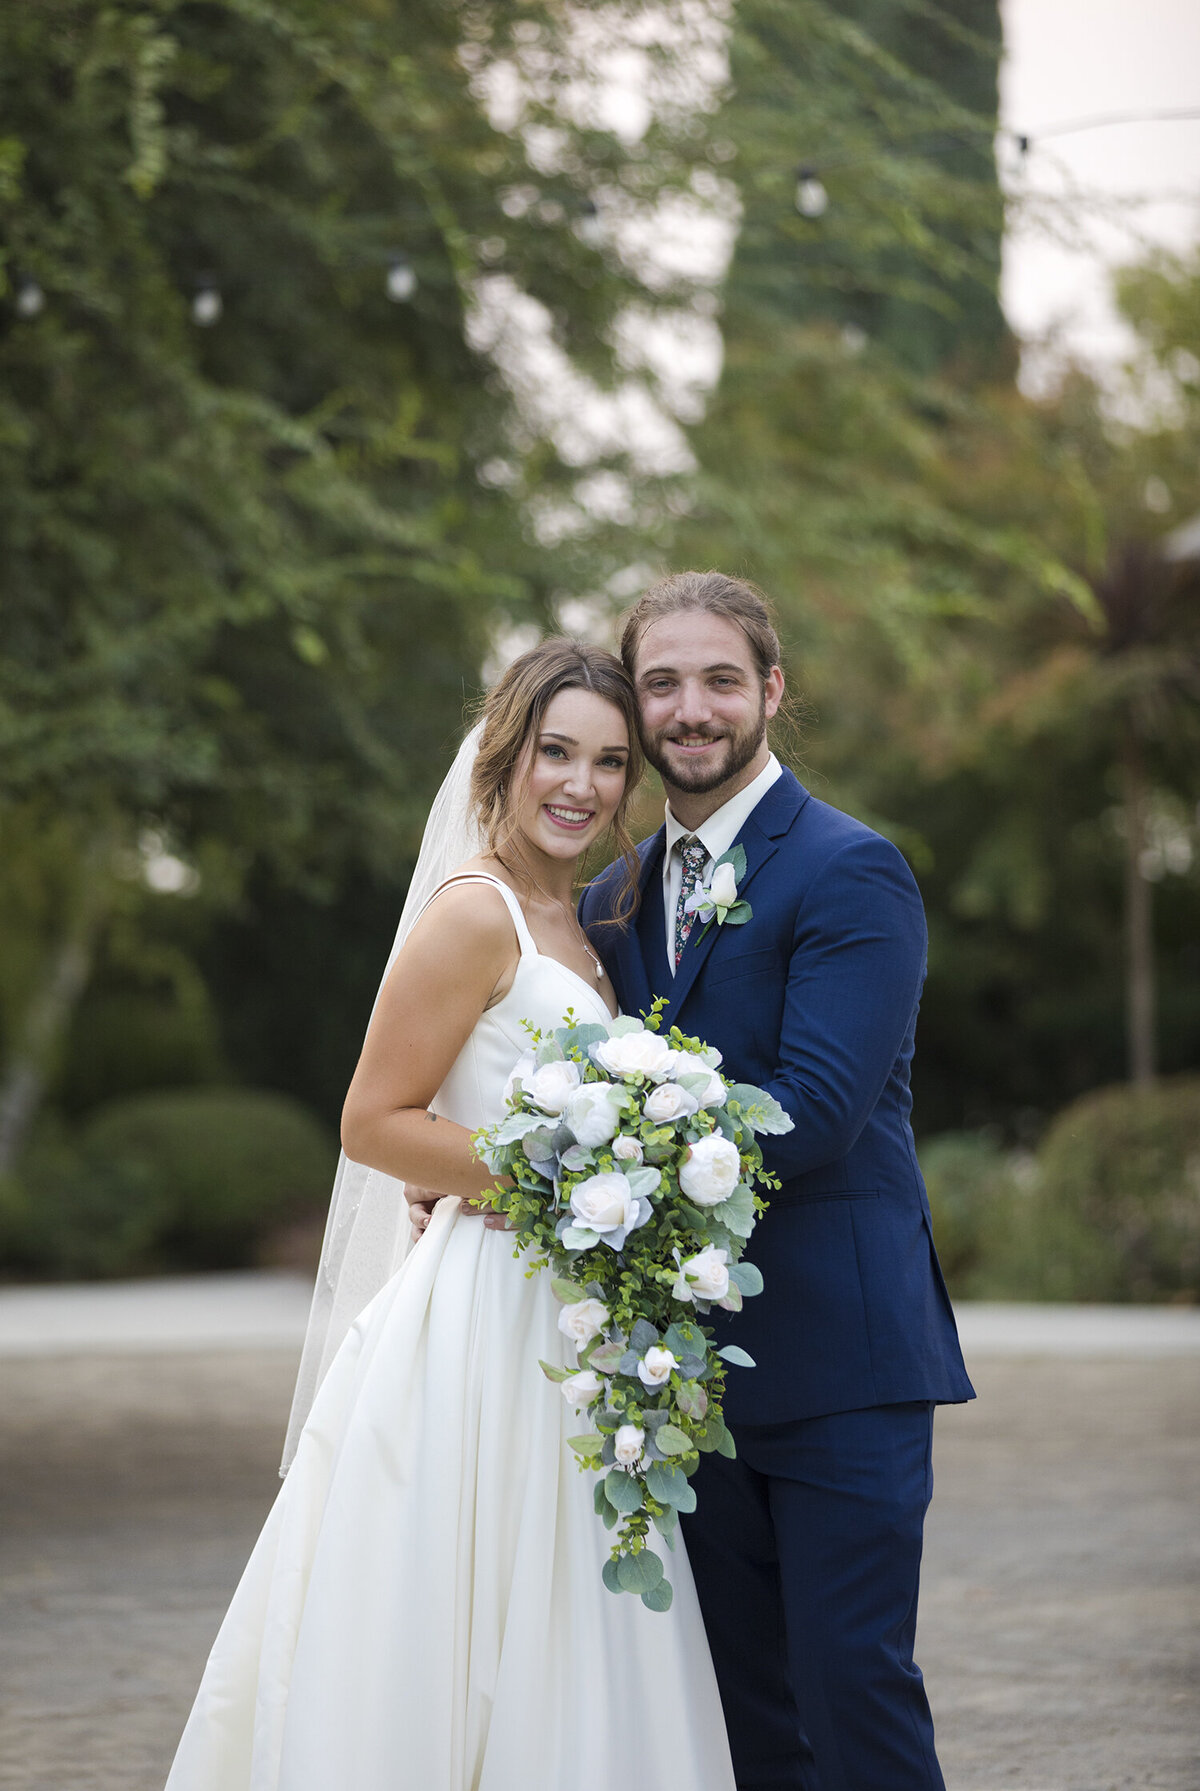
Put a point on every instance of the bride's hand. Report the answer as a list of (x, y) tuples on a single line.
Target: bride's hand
[(423, 1200), (421, 1211)]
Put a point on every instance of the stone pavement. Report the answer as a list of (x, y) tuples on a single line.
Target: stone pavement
[(140, 1428)]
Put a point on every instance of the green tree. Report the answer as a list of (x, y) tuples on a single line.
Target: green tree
[(255, 541), (1037, 749)]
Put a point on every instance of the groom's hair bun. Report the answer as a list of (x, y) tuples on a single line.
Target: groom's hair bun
[(736, 599)]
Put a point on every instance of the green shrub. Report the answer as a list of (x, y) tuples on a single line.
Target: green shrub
[(968, 1175), (192, 1179), (65, 1218), (1121, 1168), (981, 1196)]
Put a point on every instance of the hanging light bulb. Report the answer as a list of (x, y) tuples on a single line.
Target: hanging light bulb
[(812, 201), (401, 279), (589, 226), (29, 299), (207, 304)]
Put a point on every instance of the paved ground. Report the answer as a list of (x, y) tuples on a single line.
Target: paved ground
[(1059, 1620)]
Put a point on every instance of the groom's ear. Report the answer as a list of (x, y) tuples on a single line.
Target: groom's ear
[(772, 691)]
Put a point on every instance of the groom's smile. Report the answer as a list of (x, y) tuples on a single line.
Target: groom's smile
[(704, 705)]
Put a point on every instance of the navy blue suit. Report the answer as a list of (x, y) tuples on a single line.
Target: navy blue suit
[(806, 1549)]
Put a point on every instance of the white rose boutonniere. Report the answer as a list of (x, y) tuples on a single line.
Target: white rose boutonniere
[(719, 900)]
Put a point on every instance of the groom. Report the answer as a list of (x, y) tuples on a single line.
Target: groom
[(806, 1549)]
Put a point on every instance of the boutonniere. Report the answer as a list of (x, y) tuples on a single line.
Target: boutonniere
[(720, 901)]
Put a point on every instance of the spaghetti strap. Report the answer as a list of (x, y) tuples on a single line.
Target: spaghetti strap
[(524, 936)]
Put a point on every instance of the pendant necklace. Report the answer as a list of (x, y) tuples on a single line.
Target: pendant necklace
[(546, 896)]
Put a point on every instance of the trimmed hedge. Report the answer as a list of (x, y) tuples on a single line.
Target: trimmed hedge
[(973, 1184), (1109, 1209), (191, 1179), (1122, 1166)]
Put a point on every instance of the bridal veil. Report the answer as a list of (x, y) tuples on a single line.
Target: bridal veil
[(368, 1230)]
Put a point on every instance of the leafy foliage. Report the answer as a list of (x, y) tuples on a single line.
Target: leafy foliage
[(187, 1179)]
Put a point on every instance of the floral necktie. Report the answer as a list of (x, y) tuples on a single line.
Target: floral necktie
[(695, 856)]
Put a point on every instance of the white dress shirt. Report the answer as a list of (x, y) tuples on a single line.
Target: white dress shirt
[(716, 835)]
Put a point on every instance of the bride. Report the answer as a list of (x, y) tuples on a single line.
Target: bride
[(423, 1610)]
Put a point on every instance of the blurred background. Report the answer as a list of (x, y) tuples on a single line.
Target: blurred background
[(345, 348)]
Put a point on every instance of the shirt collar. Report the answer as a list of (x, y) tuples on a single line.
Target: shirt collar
[(718, 833)]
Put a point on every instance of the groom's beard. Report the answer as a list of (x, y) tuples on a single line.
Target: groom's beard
[(741, 744)]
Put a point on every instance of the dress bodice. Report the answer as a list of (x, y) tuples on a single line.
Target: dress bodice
[(541, 992)]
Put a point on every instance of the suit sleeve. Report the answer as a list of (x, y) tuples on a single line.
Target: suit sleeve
[(857, 965)]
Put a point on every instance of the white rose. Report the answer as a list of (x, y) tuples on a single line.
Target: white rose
[(592, 1114), (709, 1272), (722, 890), (654, 1369), (582, 1320), (627, 1445), (636, 1054), (551, 1087), (581, 1388), (626, 1149), (604, 1202), (668, 1101), (521, 1071), (711, 1170), (714, 1094)]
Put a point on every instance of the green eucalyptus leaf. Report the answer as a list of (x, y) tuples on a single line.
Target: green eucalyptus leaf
[(640, 1572), (666, 1522), (692, 1401), (581, 1038), (658, 1598), (761, 1110), (737, 1213), (670, 1486), (622, 1491), (609, 1575), (747, 1276)]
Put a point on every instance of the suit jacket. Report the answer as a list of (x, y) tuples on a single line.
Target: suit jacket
[(815, 999)]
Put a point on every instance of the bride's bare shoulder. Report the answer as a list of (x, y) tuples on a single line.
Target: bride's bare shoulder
[(468, 910)]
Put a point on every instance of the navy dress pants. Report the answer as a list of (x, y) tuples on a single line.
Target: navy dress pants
[(807, 1555)]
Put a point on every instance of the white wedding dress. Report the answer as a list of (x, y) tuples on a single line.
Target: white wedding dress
[(423, 1610)]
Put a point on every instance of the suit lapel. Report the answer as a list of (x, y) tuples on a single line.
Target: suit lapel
[(631, 951), (764, 827)]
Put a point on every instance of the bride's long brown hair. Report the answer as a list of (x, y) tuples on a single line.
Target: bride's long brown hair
[(513, 712)]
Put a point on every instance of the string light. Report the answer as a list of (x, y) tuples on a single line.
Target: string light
[(401, 280), (812, 200), (29, 300), (207, 303), (589, 225)]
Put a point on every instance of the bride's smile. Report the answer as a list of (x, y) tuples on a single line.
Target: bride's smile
[(572, 777)]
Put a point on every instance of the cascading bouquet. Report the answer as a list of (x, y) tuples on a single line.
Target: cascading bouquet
[(633, 1164)]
